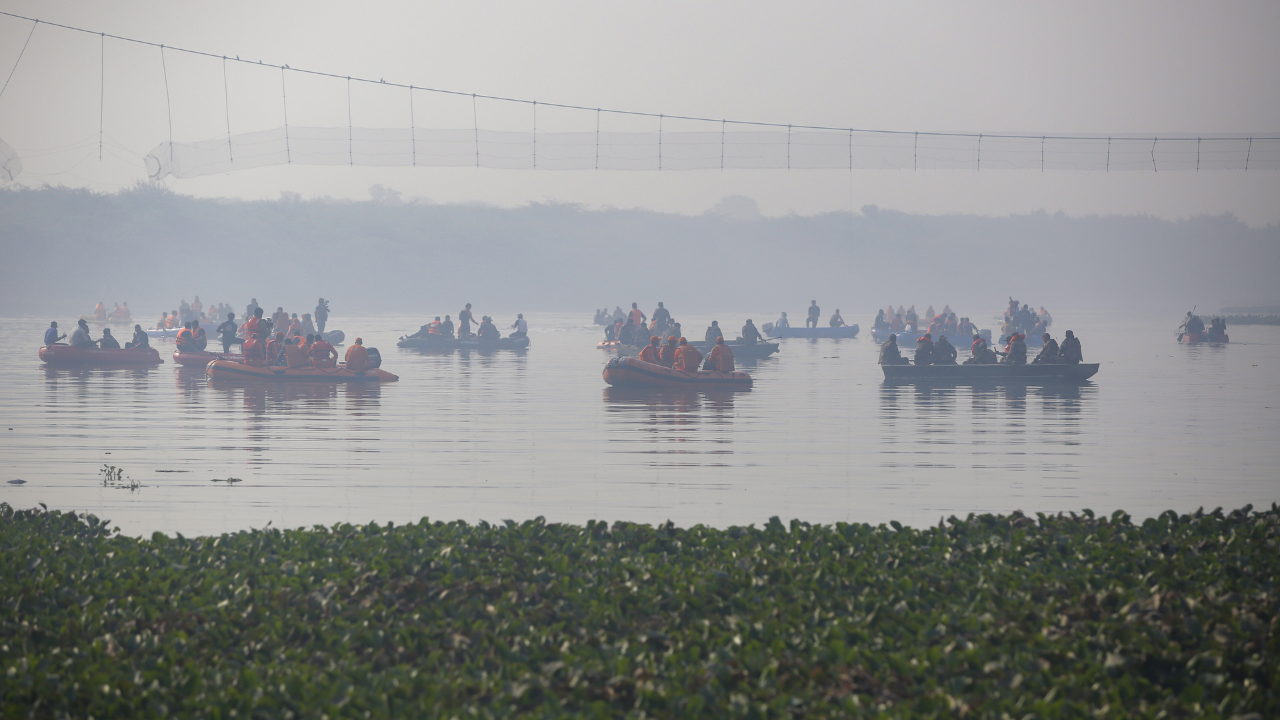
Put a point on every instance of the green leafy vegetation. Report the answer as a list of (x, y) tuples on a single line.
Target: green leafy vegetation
[(985, 617)]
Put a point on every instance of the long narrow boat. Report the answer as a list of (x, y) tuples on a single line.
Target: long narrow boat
[(229, 370), (67, 355), (741, 350), (1203, 337), (633, 372), (846, 331), (202, 358), (1028, 372), (439, 342)]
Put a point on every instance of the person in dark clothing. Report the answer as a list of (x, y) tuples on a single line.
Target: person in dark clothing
[(1069, 351), (627, 335), (322, 315), (140, 340), (51, 335), (944, 353), (889, 353), (227, 330), (661, 316), (750, 334), (1017, 351), (488, 331), (924, 350), (714, 332), (108, 341), (446, 328), (814, 314), (1193, 325), (1049, 353)]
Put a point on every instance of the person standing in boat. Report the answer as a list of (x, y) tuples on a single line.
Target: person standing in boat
[(140, 340), (836, 320), (51, 335), (965, 327), (815, 313), (322, 315), (465, 318), (720, 358), (1069, 351), (750, 333), (890, 354), (1049, 353), (636, 316), (521, 327), (944, 353), (227, 331), (662, 316), (713, 332)]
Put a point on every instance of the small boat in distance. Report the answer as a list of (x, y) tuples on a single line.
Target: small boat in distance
[(440, 342), (66, 355), (959, 373), (844, 331), (229, 370), (633, 372)]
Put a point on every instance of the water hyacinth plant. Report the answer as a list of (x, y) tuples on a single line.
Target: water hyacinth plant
[(985, 617)]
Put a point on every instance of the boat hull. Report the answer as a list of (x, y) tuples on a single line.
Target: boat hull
[(444, 343), (1198, 338), (1028, 372), (203, 358), (847, 331), (234, 371), (911, 337), (67, 355), (632, 372), (741, 351)]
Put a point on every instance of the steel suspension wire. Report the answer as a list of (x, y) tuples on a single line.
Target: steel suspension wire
[(226, 104), (168, 105), (284, 97), (660, 116), (20, 53), (102, 87)]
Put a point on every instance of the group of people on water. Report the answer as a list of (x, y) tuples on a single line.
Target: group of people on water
[(678, 354), (82, 337), (262, 346), (119, 313), (890, 320), (1022, 319), (813, 318), (188, 313), (485, 330), (942, 352), (1193, 325)]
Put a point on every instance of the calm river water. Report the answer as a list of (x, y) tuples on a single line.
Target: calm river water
[(473, 436)]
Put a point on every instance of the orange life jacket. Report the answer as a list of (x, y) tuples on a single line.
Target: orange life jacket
[(357, 358), (649, 354), (667, 355), (433, 327), (721, 358), (688, 358), (637, 317)]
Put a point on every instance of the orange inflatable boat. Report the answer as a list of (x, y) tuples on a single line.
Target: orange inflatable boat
[(200, 358), (633, 372), (59, 354), (229, 370)]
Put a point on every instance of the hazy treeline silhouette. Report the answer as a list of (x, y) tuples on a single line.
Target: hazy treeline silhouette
[(64, 249)]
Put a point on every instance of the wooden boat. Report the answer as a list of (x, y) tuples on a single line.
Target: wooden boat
[(1028, 372), (202, 358), (67, 355), (632, 372), (846, 331), (440, 342), (230, 370), (1203, 337), (741, 350)]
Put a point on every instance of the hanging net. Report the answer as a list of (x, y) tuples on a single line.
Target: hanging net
[(732, 150), (10, 165)]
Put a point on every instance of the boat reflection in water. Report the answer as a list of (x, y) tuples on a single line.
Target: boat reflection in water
[(675, 428), (1009, 426)]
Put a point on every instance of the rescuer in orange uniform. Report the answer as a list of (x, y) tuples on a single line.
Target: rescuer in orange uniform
[(323, 355), (687, 357), (650, 352), (357, 356), (721, 357), (667, 355)]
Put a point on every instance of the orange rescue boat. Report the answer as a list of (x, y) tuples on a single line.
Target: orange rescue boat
[(229, 370), (633, 372)]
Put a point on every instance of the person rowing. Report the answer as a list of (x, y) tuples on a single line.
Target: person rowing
[(750, 334)]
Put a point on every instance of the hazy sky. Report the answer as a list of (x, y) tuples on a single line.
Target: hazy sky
[(1093, 67)]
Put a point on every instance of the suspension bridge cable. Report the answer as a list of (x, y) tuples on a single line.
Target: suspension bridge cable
[(24, 49)]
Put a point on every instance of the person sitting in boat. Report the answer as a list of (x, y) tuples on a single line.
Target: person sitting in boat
[(1069, 351), (609, 333), (162, 322), (323, 355), (1217, 329), (227, 331), (1039, 327), (100, 311), (944, 353), (898, 324), (720, 358), (358, 357), (140, 340), (275, 350), (521, 327), (255, 326), (952, 324), (650, 352), (667, 355), (1049, 353), (199, 336), (782, 322), (713, 332), (446, 328), (880, 323), (488, 331), (966, 328), (750, 333), (911, 317), (185, 339), (308, 328), (115, 313), (295, 327), (1193, 324), (814, 314), (662, 316), (674, 329), (1045, 316), (981, 354), (294, 356), (688, 358), (836, 320), (1016, 351), (627, 334), (108, 341), (254, 351), (924, 350), (889, 353), (51, 335)]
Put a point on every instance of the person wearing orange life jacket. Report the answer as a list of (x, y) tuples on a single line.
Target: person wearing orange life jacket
[(199, 336), (254, 354), (197, 307), (295, 327), (924, 350), (688, 358), (254, 326), (433, 327), (357, 356), (305, 345), (721, 357), (100, 311), (185, 339), (650, 352), (294, 357), (160, 324), (323, 355), (667, 355), (275, 350), (897, 325), (637, 316)]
